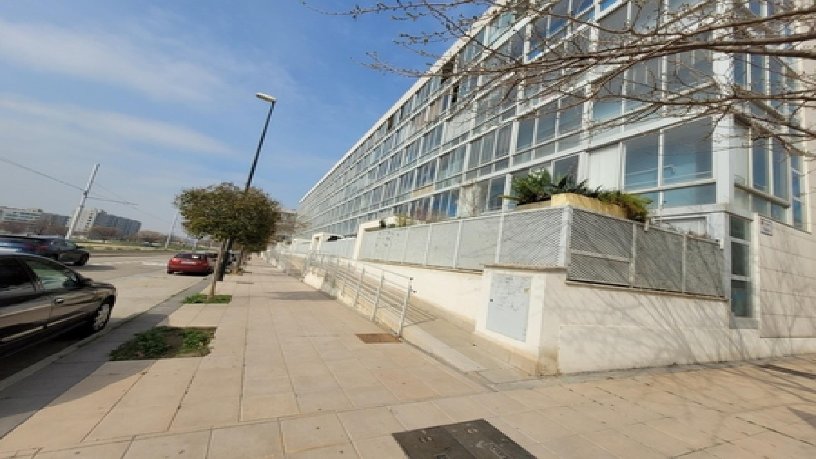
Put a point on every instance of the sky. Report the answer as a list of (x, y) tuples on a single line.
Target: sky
[(162, 95)]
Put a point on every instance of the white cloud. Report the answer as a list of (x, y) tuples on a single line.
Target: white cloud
[(111, 126), (112, 59)]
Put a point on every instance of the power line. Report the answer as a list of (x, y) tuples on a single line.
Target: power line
[(122, 200), (6, 160)]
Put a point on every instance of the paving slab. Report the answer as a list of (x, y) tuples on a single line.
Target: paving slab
[(288, 378)]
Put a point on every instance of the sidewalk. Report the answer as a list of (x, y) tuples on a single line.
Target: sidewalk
[(288, 378)]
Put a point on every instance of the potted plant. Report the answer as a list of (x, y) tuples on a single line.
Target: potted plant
[(539, 190)]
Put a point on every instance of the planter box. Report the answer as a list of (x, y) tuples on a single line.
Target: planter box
[(580, 202)]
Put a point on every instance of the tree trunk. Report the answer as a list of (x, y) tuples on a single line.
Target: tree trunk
[(218, 268)]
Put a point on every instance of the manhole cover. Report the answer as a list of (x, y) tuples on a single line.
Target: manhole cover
[(377, 338), (464, 440)]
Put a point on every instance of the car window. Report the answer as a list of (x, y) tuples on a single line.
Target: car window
[(13, 277), (53, 276), (194, 256), (69, 245)]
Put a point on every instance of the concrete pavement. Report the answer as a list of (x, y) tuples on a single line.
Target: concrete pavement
[(288, 378)]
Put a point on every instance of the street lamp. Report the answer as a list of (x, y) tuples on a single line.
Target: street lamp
[(271, 100)]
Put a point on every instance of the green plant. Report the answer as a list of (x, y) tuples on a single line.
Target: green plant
[(539, 186), (636, 207), (202, 298), (531, 188), (146, 345), (195, 340), (165, 342)]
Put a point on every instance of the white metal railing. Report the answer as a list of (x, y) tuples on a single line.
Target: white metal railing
[(382, 289)]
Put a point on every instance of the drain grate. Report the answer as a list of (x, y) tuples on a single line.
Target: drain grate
[(377, 338), (244, 282), (464, 440)]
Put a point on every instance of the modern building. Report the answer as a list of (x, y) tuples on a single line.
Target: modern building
[(431, 158), (33, 220), (286, 225), (91, 218)]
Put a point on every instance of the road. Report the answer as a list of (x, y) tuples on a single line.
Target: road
[(141, 282)]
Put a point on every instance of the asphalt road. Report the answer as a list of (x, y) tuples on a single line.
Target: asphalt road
[(129, 274)]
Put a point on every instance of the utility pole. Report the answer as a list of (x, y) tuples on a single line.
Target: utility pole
[(87, 190), (172, 227)]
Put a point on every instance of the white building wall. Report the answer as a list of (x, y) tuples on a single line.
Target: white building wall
[(786, 281)]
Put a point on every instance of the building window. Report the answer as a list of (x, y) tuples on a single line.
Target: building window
[(687, 152), (740, 235), (566, 167), (641, 162)]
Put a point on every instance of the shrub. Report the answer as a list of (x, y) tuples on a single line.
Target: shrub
[(539, 186)]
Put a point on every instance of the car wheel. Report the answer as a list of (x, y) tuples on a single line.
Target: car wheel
[(82, 261), (169, 272), (99, 319)]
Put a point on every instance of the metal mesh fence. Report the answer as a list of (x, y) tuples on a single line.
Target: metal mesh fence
[(592, 248), (658, 260), (704, 260), (477, 243), (443, 244), (611, 251), (533, 238), (416, 244)]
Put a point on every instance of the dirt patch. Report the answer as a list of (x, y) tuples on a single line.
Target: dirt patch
[(166, 342)]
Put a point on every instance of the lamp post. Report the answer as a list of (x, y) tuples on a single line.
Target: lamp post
[(271, 100)]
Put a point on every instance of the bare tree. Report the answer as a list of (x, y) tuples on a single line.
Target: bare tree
[(151, 237), (105, 233), (13, 227), (754, 60)]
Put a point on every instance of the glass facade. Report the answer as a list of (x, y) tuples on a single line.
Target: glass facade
[(451, 147)]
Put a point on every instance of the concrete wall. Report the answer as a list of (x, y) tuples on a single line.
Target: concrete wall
[(457, 293), (785, 282), (574, 327)]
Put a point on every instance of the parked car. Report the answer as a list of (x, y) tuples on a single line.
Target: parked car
[(58, 249), (196, 263), (40, 298)]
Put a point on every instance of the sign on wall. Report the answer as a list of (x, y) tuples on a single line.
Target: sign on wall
[(766, 226), (509, 305)]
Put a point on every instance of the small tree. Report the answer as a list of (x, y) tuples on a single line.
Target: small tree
[(105, 233), (223, 211), (13, 227), (151, 237)]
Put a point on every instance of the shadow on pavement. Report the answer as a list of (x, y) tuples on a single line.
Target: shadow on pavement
[(77, 374)]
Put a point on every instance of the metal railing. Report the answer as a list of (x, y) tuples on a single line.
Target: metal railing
[(375, 292)]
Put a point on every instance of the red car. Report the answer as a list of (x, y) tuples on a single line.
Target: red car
[(198, 263)]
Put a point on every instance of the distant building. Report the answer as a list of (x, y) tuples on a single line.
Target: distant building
[(285, 226), (27, 216), (31, 220), (95, 218)]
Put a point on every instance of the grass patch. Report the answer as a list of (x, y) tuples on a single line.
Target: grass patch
[(166, 342), (202, 298)]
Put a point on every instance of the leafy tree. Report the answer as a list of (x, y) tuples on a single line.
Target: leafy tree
[(224, 210)]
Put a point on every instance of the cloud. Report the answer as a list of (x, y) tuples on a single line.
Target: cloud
[(112, 59), (110, 126)]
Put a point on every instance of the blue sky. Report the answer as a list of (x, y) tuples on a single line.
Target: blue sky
[(162, 95)]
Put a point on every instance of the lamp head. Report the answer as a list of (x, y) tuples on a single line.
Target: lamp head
[(266, 97)]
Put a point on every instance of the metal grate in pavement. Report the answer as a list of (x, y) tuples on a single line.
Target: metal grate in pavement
[(476, 439), (377, 338)]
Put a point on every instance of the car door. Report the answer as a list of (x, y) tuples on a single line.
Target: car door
[(64, 289), (23, 310), (70, 252)]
